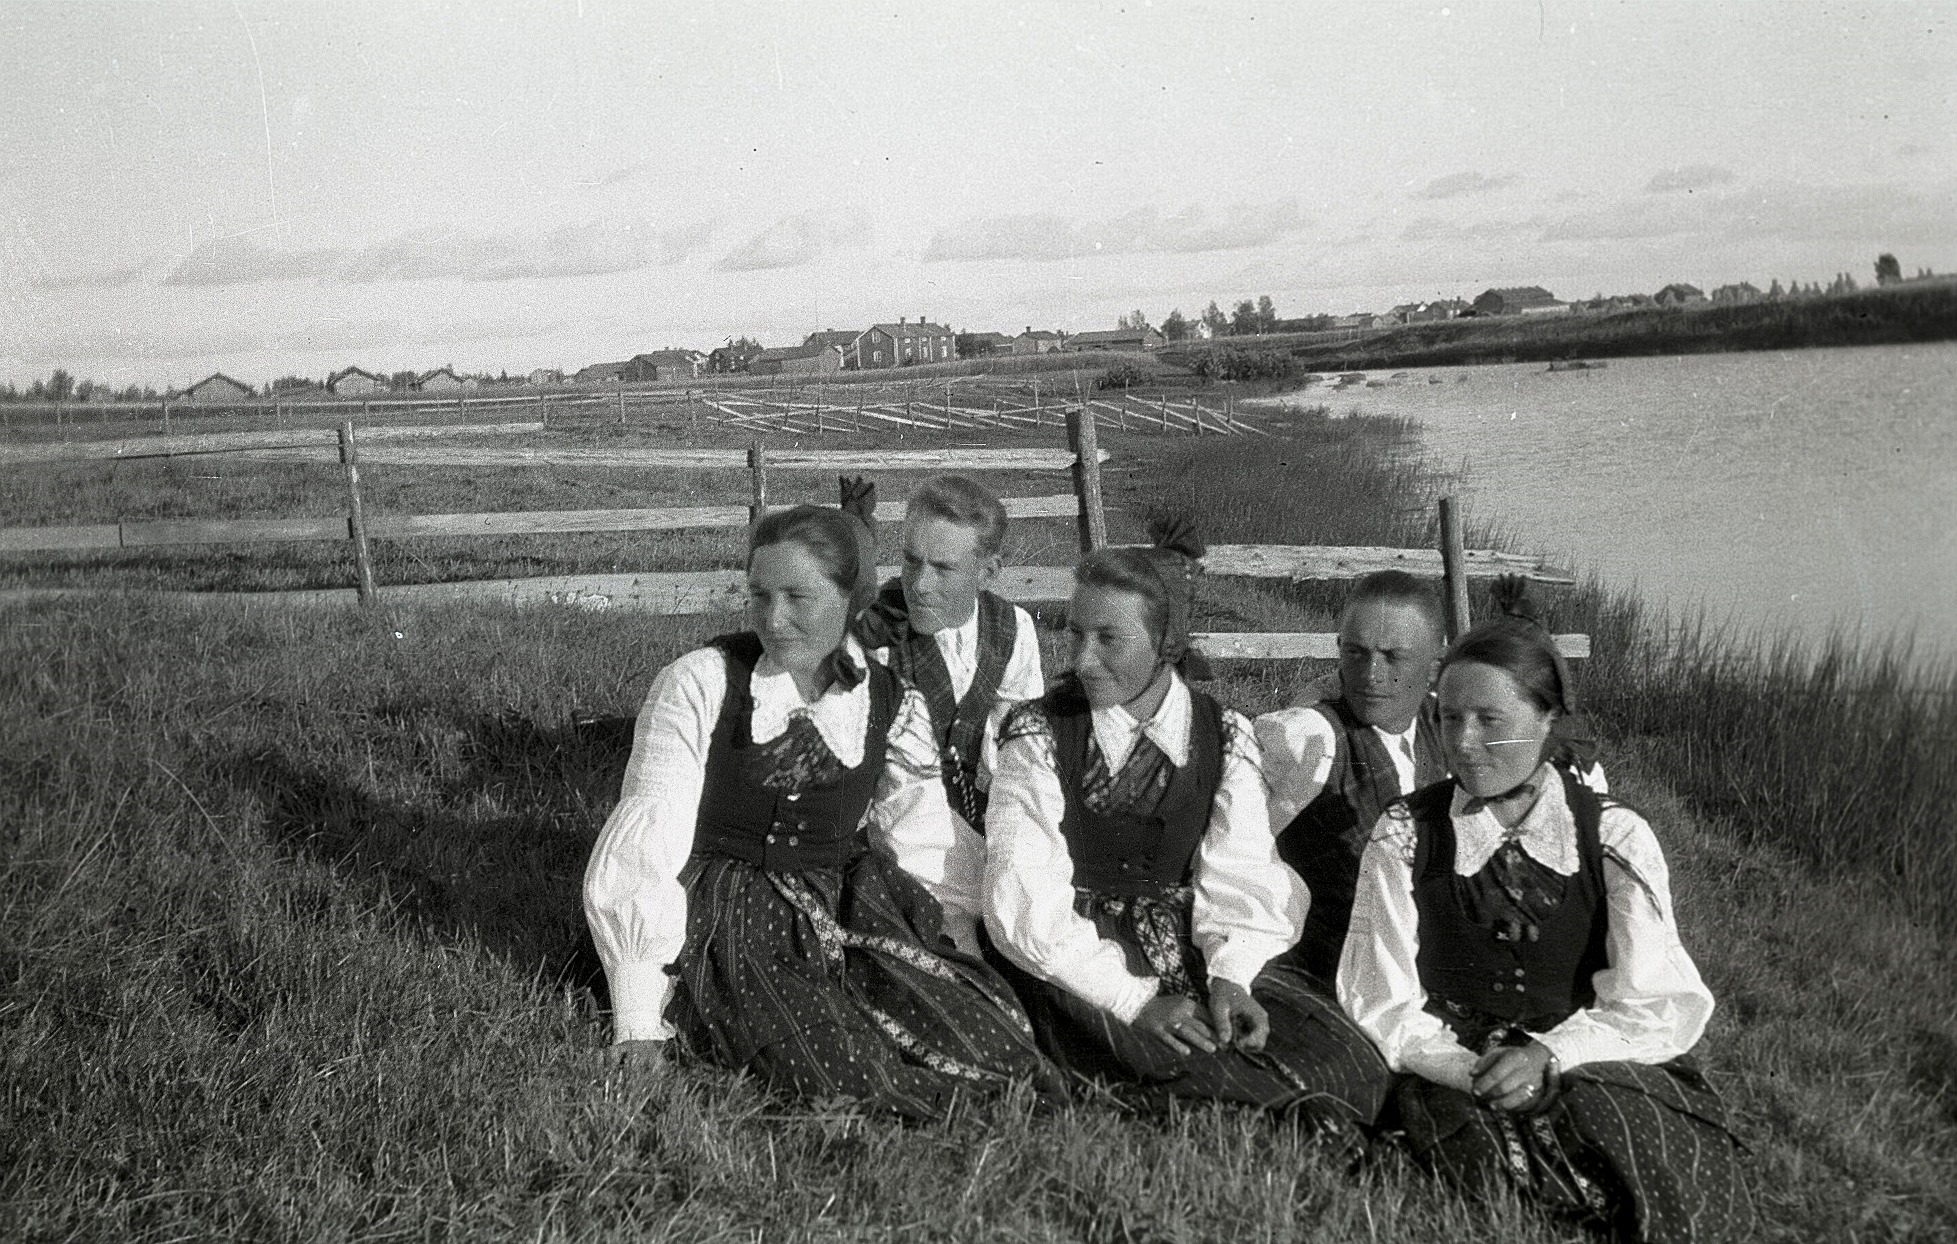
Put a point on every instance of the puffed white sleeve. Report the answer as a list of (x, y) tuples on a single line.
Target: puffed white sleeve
[(1651, 1005), (1297, 746), (1023, 680), (1379, 975), (912, 818), (1029, 886), (632, 896), (1249, 905)]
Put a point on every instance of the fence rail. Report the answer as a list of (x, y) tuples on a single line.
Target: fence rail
[(716, 591)]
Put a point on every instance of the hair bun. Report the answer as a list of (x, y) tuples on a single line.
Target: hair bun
[(1175, 533), (1511, 593)]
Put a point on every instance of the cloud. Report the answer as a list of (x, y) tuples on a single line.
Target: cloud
[(1889, 214), (795, 240), (107, 278), (1432, 229), (1688, 177), (1045, 236), (1454, 185), (586, 248)]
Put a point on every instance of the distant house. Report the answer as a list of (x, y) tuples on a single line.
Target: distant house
[(1517, 300), (668, 364), (845, 340), (982, 345), (603, 373), (1745, 291), (545, 375), (443, 380), (216, 389), (798, 361), (1442, 309), (1117, 339), (1678, 294), (731, 359), (905, 343), (354, 382), (1037, 341), (1358, 319)]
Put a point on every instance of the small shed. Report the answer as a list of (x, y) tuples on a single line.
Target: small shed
[(354, 382), (1678, 294), (1037, 341), (1517, 300), (797, 361), (1117, 339), (216, 389), (443, 380)]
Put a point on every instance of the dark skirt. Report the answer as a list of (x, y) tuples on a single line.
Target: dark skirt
[(828, 983), (1640, 1150), (1316, 1064)]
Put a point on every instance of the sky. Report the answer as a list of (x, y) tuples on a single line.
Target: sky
[(273, 189)]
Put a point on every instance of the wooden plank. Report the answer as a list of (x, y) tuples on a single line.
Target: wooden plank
[(1313, 562), (543, 522), (327, 439), (232, 530), (1319, 646), (98, 536), (673, 593), (417, 526)]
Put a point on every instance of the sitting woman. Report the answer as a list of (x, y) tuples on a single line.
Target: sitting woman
[(1512, 950), (783, 846), (1131, 871)]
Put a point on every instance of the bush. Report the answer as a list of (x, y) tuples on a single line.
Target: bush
[(1231, 364), (1124, 374)]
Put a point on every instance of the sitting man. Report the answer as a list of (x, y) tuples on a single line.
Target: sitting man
[(1363, 737), (968, 650)]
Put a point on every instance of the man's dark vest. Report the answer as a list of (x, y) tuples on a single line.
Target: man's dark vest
[(1121, 852), (784, 831), (957, 723), (1324, 841), (1475, 974)]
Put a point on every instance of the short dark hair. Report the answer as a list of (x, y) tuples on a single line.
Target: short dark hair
[(839, 542), (966, 502), (1397, 587)]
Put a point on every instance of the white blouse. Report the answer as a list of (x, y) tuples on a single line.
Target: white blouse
[(632, 895), (1650, 1005), (1249, 906)]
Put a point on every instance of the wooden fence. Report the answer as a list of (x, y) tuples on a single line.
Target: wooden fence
[(712, 591), (802, 405)]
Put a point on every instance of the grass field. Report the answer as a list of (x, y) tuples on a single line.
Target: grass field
[(290, 944)]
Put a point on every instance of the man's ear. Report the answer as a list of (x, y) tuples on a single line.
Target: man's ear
[(992, 565)]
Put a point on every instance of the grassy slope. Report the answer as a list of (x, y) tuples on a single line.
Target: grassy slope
[(292, 950)]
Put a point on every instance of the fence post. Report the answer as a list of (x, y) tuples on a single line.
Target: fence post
[(1036, 403), (1087, 478), (757, 467), (166, 416), (621, 408), (1197, 407), (363, 564), (1454, 570)]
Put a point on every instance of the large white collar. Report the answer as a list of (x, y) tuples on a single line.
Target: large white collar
[(1116, 730), (841, 717), (1547, 833)]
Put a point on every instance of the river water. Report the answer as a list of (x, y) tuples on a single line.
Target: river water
[(1811, 490)]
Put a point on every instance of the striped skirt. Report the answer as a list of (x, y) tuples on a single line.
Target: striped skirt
[(1316, 1064), (840, 983), (1643, 1151)]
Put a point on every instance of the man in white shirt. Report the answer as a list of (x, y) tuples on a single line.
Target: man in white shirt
[(1360, 739), (967, 649)]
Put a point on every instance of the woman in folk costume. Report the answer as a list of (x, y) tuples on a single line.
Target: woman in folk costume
[(1130, 869), (780, 888), (1513, 951)]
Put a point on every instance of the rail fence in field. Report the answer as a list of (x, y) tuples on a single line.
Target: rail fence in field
[(708, 591), (802, 405)]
